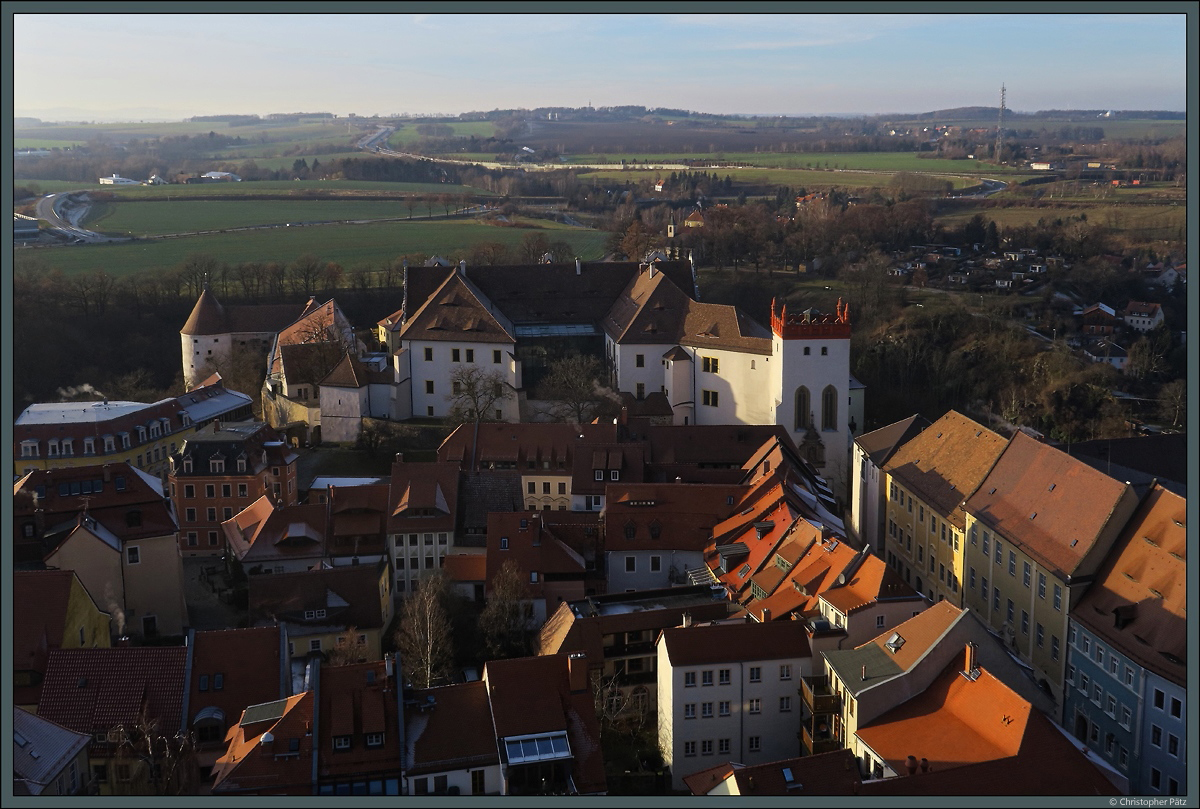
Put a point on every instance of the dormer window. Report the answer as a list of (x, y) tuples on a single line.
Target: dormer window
[(141, 434), (241, 465), (341, 742), (125, 444), (374, 740), (52, 448), (599, 474), (187, 464), (110, 444), (67, 448), (154, 429), (29, 449), (216, 465), (614, 474), (89, 447)]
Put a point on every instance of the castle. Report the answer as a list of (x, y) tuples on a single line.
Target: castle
[(709, 363)]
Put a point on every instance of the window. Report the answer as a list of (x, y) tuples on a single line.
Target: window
[(614, 474), (785, 704), (455, 355), (533, 577), (1054, 647), (1111, 709), (1173, 745), (314, 645), (829, 418), (755, 706), (1024, 622), (689, 748), (723, 746), (470, 355), (630, 564), (1041, 585), (210, 491), (1008, 612), (1159, 699), (242, 490), (203, 682), (754, 743), (655, 563), (706, 678), (723, 708), (189, 515), (710, 365), (374, 740), (1156, 735), (689, 679), (641, 391), (1126, 716), (755, 674), (999, 552), (985, 544), (640, 361), (478, 784), (562, 488), (1155, 778), (212, 514), (1057, 597), (599, 474), (496, 357), (1025, 579), (1176, 707), (709, 398), (706, 710), (429, 386), (706, 747), (133, 555), (1040, 635), (804, 410), (532, 487), (689, 710), (503, 543), (785, 669)]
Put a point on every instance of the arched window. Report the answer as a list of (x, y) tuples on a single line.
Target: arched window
[(829, 417), (803, 409)]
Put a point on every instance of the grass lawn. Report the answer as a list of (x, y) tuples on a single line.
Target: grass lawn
[(158, 218), (349, 245), (44, 143)]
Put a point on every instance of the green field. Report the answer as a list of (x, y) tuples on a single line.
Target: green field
[(794, 178), (44, 143), (862, 161), (287, 161), (1114, 128), (407, 133), (349, 245), (145, 218), (1152, 222), (274, 187)]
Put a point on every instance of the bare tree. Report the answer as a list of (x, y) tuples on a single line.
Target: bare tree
[(148, 762), (346, 651), (424, 637), (504, 621), (475, 394), (573, 390)]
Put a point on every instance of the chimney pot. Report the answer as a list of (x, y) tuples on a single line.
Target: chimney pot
[(910, 764), (924, 765), (864, 672), (687, 619)]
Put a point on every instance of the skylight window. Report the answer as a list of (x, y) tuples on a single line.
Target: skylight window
[(743, 570), (895, 642), (528, 749)]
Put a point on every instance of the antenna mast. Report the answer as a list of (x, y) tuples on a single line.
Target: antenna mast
[(1000, 128)]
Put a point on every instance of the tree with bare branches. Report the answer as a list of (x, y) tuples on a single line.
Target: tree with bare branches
[(475, 394), (424, 637)]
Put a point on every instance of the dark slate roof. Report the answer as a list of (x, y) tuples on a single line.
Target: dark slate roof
[(1164, 456), (880, 444), (483, 493), (210, 317), (459, 311)]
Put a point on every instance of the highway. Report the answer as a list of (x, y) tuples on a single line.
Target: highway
[(64, 211)]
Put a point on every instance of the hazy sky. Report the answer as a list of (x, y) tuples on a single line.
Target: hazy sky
[(119, 67)]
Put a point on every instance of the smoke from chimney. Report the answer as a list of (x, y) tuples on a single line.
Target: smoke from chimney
[(71, 392)]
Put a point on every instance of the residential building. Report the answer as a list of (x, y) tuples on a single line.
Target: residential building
[(1126, 681), (358, 523), (1040, 524), (270, 751), (617, 633), (264, 539), (231, 669), (356, 390), (832, 773), (927, 479), (361, 739), (340, 611), (868, 496), (65, 435), (48, 759), (966, 719), (438, 756), (121, 541), (851, 687), (1098, 318), (551, 569), (1101, 349), (1143, 317), (113, 696), (422, 520), (729, 691), (220, 471), (56, 613)]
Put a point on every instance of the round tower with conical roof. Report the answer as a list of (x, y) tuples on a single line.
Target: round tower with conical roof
[(204, 339)]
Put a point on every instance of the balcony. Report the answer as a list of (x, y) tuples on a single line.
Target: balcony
[(817, 696), (814, 747)]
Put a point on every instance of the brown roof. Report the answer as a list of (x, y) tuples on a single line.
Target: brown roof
[(355, 700), (423, 497), (958, 721), (871, 581), (434, 729), (288, 532), (1053, 506), (532, 695), (92, 690), (466, 567), (540, 444), (653, 310), (348, 373), (730, 643), (42, 597), (833, 773), (251, 664), (879, 445), (210, 317), (1139, 599), (667, 516), (245, 768), (533, 546), (349, 594), (458, 311), (945, 463), (1142, 309)]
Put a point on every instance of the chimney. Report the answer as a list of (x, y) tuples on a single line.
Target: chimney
[(766, 615), (972, 668), (624, 416), (578, 266), (864, 672), (687, 619), (910, 764), (462, 267), (399, 457), (577, 671), (924, 765)]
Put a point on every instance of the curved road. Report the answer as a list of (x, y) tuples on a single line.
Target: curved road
[(64, 212)]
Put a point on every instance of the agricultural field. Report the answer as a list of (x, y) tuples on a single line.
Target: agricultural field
[(349, 245), (794, 178), (335, 152), (44, 143), (860, 161), (407, 133), (1142, 222), (273, 188), (1114, 128)]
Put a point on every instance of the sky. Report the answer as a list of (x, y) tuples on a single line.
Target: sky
[(147, 66)]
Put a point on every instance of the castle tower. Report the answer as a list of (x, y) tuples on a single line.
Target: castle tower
[(201, 338), (810, 352)]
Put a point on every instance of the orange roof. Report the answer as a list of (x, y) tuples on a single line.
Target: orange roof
[(250, 663), (871, 581), (1139, 600), (356, 700), (466, 567), (945, 462), (252, 764), (960, 721), (1054, 506)]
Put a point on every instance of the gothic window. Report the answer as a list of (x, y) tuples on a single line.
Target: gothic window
[(829, 408), (803, 408)]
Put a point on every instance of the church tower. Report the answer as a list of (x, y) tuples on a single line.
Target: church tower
[(810, 352)]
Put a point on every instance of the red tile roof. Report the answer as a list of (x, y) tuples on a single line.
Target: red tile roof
[(833, 773), (1139, 599), (94, 690), (1053, 506), (681, 514), (458, 311), (269, 767), (466, 567), (42, 597), (349, 594), (434, 728), (356, 700), (958, 721), (251, 665)]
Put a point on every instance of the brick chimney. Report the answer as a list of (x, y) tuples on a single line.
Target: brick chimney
[(577, 671)]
